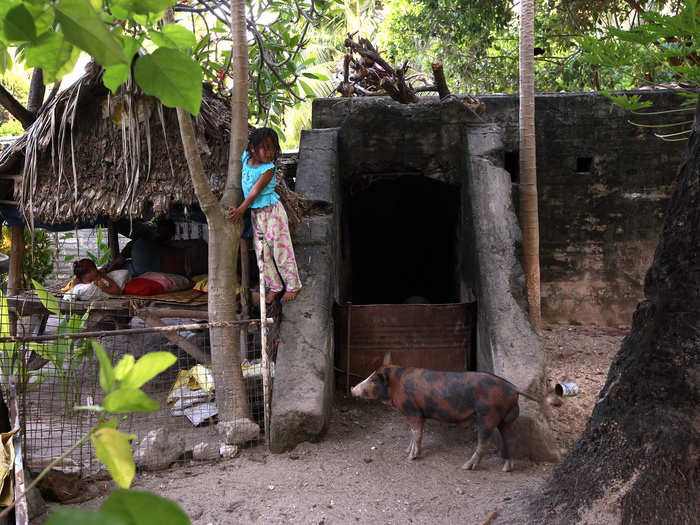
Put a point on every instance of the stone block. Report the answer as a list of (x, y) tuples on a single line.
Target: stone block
[(318, 164)]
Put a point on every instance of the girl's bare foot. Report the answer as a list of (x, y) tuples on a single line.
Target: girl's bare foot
[(289, 295), (270, 297)]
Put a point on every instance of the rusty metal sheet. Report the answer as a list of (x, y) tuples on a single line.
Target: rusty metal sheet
[(436, 336)]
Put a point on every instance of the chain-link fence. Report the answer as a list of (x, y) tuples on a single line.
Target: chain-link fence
[(56, 374)]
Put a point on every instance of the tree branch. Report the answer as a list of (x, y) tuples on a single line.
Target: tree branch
[(17, 110)]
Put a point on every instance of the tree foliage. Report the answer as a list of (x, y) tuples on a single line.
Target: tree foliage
[(168, 61), (477, 42)]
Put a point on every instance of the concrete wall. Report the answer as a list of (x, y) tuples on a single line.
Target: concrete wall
[(598, 229)]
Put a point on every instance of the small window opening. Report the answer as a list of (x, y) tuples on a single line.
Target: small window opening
[(584, 164), (511, 163)]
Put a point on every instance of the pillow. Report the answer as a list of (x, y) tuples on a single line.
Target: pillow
[(201, 283), (153, 283), (143, 286)]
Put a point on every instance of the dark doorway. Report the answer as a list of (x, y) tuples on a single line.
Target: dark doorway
[(402, 241)]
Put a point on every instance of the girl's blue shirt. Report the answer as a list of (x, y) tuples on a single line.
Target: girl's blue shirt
[(251, 174)]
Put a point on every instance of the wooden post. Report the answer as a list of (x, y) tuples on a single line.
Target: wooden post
[(113, 240), (14, 277), (245, 304), (263, 343), (347, 364)]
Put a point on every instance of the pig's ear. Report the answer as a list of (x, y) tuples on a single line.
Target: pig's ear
[(387, 358)]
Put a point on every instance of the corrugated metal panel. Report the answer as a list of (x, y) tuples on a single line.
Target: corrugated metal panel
[(436, 336)]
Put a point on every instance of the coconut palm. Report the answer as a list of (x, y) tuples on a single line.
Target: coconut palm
[(528, 173)]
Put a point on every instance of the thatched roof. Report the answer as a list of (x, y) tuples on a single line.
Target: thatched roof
[(90, 155)]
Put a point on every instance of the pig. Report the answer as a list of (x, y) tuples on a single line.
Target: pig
[(450, 397)]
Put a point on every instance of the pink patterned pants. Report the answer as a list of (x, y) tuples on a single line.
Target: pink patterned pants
[(275, 248)]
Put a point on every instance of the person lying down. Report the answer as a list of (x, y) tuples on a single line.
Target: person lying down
[(91, 283)]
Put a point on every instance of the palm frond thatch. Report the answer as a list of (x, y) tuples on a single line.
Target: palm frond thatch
[(90, 155)]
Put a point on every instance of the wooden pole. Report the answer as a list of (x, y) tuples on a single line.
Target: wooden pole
[(187, 346), (113, 240), (263, 343), (245, 303), (347, 364), (130, 331), (14, 277)]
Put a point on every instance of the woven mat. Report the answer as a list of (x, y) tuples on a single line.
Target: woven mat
[(193, 297)]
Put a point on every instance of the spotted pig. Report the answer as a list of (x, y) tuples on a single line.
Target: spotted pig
[(451, 397)]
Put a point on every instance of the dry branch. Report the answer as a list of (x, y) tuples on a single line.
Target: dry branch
[(440, 83), (366, 73)]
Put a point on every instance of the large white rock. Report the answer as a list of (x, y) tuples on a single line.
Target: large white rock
[(239, 431), (159, 449)]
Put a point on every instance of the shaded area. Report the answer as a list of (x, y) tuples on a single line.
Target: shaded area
[(403, 237)]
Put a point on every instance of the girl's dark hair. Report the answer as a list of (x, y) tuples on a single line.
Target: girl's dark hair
[(259, 135), (82, 266)]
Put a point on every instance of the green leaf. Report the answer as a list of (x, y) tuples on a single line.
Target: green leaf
[(307, 89), (47, 298), (5, 59), (181, 36), (53, 55), (110, 423), (119, 12), (161, 40), (171, 76), (18, 25), (115, 76), (83, 27), (106, 370), (144, 7), (129, 400), (47, 351), (143, 508), (83, 517), (114, 450), (146, 368), (43, 16), (123, 367)]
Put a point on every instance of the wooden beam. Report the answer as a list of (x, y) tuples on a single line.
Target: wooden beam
[(187, 346)]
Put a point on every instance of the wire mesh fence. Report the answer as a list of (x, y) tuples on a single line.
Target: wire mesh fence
[(55, 375)]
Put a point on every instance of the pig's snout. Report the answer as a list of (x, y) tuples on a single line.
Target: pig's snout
[(360, 389), (357, 390)]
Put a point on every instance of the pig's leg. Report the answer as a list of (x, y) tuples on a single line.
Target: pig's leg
[(416, 437), (508, 438), (485, 433)]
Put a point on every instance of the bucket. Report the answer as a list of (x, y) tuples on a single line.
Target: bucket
[(566, 389)]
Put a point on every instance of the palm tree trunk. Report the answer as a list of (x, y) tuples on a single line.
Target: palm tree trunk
[(529, 222)]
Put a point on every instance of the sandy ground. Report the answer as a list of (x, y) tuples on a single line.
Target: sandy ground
[(358, 472)]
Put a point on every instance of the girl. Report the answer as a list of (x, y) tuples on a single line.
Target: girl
[(268, 215), (91, 283)]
